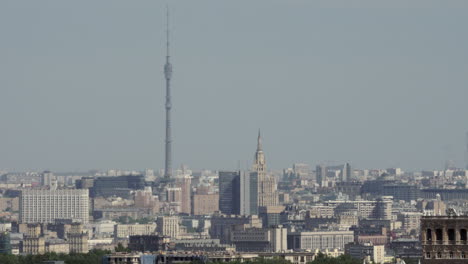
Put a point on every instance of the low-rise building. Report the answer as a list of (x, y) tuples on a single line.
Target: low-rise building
[(272, 239), (321, 240), (127, 230), (366, 251)]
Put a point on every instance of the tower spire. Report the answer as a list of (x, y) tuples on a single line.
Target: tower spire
[(168, 105), (259, 141)]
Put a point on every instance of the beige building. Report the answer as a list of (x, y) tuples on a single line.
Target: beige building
[(378, 209), (44, 206), (320, 240), (410, 220), (124, 231), (33, 241), (168, 226), (146, 199), (184, 182), (205, 204), (78, 239), (267, 187), (57, 246)]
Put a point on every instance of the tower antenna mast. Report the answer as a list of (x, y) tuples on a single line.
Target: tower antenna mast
[(168, 105)]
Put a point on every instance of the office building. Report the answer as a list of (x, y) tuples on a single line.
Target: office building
[(45, 206), (168, 226), (221, 225), (378, 209), (246, 239), (319, 240), (127, 230), (205, 204), (403, 192), (367, 251), (120, 186), (270, 215), (229, 192), (249, 193), (321, 172)]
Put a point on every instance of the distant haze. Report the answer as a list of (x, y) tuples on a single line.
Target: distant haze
[(377, 85)]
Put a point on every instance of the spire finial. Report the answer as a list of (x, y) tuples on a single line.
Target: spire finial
[(259, 141)]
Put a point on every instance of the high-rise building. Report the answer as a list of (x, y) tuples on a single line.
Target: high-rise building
[(174, 197), (248, 193), (47, 178), (45, 206), (320, 174), (345, 174), (229, 192), (168, 226), (186, 193), (267, 188)]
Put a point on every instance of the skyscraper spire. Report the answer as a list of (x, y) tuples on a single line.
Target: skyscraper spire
[(259, 141), (168, 76)]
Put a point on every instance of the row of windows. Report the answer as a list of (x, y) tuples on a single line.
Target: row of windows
[(450, 234), (440, 255)]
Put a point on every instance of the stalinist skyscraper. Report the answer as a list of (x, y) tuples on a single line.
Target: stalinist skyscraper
[(267, 189)]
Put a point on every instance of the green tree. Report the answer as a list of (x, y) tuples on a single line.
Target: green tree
[(121, 248)]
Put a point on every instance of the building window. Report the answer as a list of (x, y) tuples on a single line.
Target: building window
[(463, 255), (439, 255), (451, 255), (451, 234), (428, 255), (463, 235), (429, 234), (439, 234)]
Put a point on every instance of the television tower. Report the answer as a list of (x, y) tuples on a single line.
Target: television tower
[(466, 152), (168, 75)]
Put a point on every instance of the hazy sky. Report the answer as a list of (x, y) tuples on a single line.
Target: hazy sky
[(373, 83)]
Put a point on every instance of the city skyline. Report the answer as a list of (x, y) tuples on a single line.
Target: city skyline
[(79, 96)]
